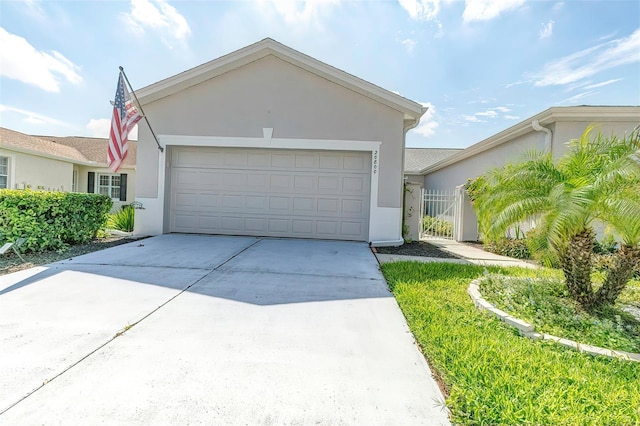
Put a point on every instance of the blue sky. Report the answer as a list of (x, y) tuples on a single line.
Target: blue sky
[(480, 65)]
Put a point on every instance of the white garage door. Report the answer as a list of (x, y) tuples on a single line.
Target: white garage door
[(266, 192)]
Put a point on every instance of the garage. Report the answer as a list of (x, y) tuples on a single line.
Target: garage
[(268, 141), (270, 192)]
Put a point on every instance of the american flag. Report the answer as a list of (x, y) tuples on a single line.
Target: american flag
[(125, 116)]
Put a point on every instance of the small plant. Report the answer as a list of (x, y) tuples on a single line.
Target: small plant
[(435, 226), (516, 248), (122, 220), (475, 187)]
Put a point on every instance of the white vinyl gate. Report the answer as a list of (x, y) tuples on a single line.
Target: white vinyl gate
[(439, 214)]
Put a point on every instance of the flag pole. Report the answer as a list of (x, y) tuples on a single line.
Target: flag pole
[(141, 110)]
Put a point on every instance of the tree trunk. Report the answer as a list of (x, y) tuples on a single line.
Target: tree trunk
[(576, 265), (626, 262)]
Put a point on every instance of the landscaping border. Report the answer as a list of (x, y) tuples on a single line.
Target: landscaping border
[(528, 330)]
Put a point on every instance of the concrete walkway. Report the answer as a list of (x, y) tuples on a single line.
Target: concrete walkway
[(467, 253), (181, 329)]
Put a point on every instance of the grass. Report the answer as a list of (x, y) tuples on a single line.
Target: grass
[(546, 304), (492, 375)]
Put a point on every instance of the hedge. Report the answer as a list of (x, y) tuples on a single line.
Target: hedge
[(51, 220)]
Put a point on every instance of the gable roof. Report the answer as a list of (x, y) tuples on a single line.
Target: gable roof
[(412, 110), (95, 149), (10, 139), (72, 149), (416, 159), (583, 113)]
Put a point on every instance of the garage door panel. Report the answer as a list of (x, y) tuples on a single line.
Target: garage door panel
[(308, 194)]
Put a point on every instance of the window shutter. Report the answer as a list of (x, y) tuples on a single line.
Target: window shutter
[(91, 182), (123, 187)]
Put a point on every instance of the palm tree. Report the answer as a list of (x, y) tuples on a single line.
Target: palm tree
[(597, 180)]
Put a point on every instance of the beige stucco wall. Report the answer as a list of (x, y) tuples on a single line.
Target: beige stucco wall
[(567, 130), (274, 94), (450, 177), (38, 173), (513, 151), (83, 182)]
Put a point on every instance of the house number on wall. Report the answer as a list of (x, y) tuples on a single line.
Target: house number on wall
[(375, 162)]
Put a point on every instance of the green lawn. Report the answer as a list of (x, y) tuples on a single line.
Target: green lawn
[(493, 376)]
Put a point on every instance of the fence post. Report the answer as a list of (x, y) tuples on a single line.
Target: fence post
[(466, 226)]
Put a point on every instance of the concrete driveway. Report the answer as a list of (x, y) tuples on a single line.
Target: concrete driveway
[(184, 329)]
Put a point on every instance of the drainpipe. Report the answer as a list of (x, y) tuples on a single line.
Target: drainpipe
[(548, 137)]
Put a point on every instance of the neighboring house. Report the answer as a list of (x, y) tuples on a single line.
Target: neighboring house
[(96, 177), (548, 130), (71, 164), (267, 141)]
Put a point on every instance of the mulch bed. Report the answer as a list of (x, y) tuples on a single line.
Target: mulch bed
[(417, 248), (12, 263)]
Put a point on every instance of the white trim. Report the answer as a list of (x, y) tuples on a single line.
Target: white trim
[(385, 223), (11, 170)]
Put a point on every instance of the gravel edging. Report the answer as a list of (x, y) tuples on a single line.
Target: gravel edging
[(528, 330)]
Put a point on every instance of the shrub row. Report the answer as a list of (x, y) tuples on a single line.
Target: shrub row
[(508, 247), (433, 225), (51, 220)]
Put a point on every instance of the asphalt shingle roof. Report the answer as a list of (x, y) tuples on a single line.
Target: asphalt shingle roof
[(416, 159), (12, 139), (95, 149)]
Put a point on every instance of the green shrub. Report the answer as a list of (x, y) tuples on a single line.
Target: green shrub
[(437, 226), (546, 304), (51, 220), (122, 220), (509, 247)]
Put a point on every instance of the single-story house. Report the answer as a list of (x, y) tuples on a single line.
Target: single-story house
[(549, 130), (267, 141), (72, 164)]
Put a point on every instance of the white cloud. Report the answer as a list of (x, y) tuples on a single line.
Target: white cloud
[(473, 119), (607, 36), (21, 61), (300, 11), (484, 10), (512, 117), (489, 113), (100, 128), (604, 83), (547, 30), (409, 44), (576, 98), (32, 117), (428, 125), (160, 17), (591, 61), (502, 109), (422, 10), (517, 83)]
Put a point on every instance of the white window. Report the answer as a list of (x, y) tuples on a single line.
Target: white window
[(109, 185), (4, 172)]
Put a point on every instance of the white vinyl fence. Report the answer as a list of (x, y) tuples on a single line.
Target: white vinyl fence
[(439, 214)]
